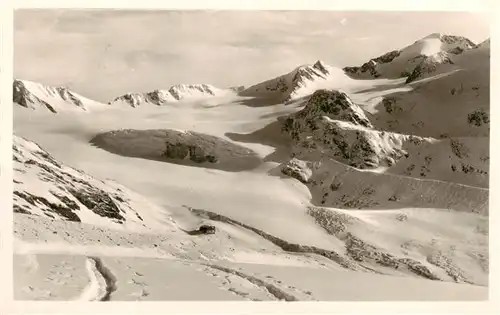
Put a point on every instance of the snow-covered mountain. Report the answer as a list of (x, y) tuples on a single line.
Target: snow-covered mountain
[(46, 187), (184, 92), (54, 99), (300, 82), (427, 52), (331, 125), (452, 101), (386, 182)]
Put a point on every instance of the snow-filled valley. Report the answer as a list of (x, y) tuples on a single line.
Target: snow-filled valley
[(323, 184)]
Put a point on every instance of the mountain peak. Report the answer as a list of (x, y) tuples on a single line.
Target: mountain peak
[(433, 35), (54, 98), (301, 81), (402, 62), (321, 66)]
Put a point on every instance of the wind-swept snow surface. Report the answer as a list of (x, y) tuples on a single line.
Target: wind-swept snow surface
[(312, 186)]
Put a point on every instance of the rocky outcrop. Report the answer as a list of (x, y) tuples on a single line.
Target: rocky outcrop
[(333, 104), (300, 170), (332, 125), (180, 147), (370, 67), (182, 151), (462, 42)]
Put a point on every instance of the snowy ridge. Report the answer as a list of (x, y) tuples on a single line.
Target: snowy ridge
[(461, 87), (54, 99), (435, 48), (180, 92), (302, 81), (45, 187)]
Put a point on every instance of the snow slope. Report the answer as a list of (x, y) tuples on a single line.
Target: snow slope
[(452, 103), (54, 99), (433, 49), (256, 216), (45, 187), (180, 92)]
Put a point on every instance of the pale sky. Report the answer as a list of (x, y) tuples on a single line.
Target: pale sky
[(104, 54)]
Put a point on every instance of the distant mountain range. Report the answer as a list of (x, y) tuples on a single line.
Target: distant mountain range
[(419, 60)]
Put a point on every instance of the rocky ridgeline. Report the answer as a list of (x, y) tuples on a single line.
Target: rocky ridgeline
[(23, 96), (45, 187), (333, 126), (370, 67), (462, 42), (289, 86), (173, 94), (308, 73)]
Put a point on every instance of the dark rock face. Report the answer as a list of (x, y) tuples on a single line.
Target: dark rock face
[(98, 202), (207, 229), (298, 169), (388, 57), (452, 39), (321, 67), (335, 105), (62, 192), (194, 153), (58, 209), (478, 118), (370, 66)]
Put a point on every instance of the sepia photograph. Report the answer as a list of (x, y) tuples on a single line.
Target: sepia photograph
[(250, 155)]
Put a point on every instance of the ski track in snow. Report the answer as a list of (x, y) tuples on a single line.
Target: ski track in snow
[(274, 291), (102, 282)]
